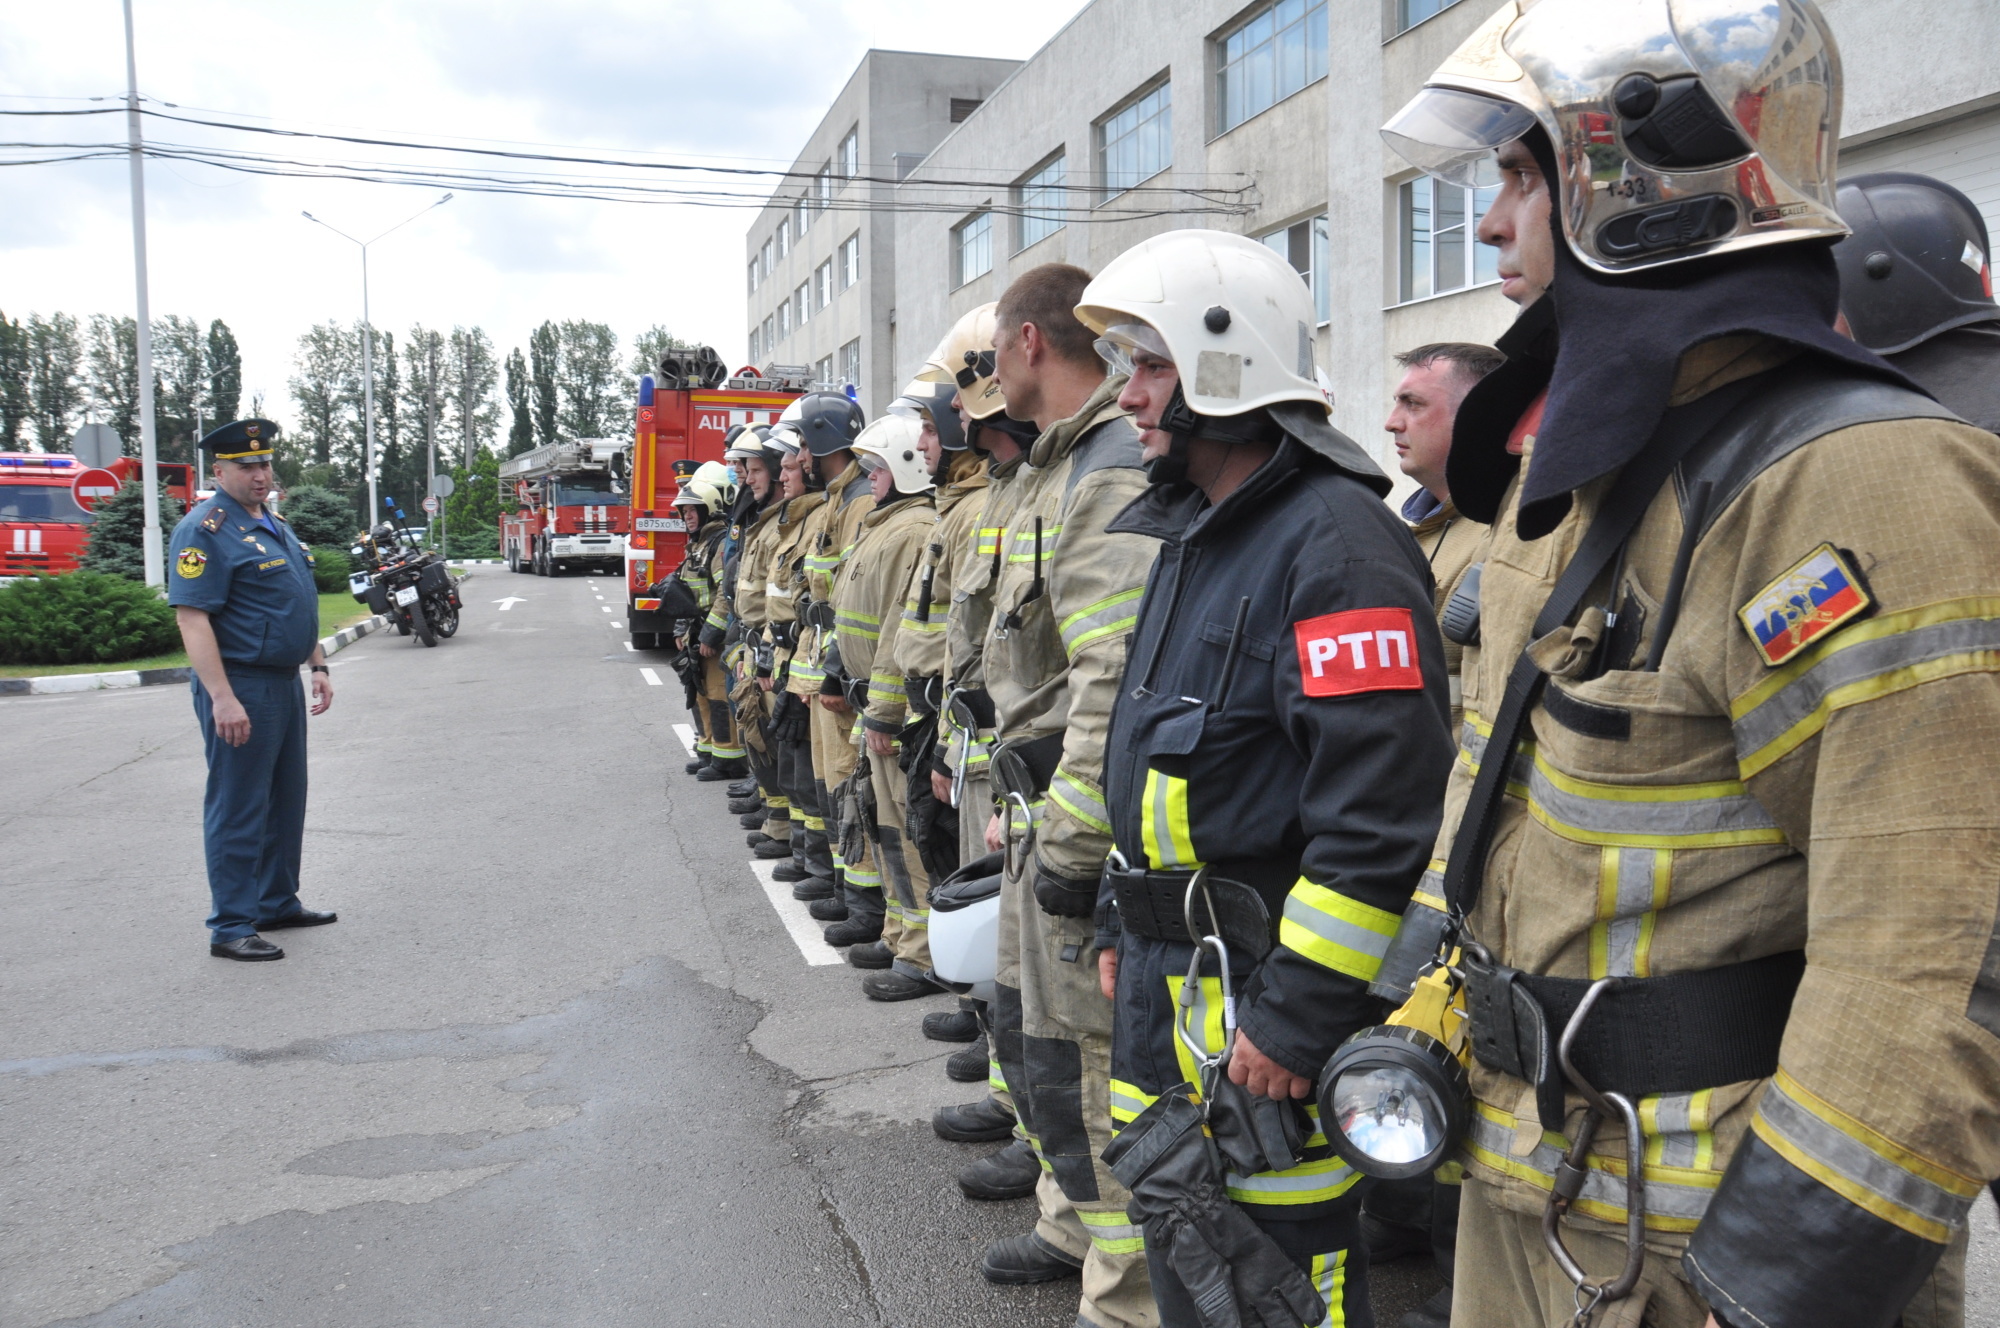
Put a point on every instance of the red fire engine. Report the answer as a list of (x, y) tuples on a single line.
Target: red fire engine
[(568, 510), (43, 528), (685, 409)]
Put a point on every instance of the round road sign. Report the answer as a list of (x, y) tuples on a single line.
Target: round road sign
[(92, 487), (431, 506)]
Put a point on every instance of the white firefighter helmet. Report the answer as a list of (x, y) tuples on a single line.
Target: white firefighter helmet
[(965, 357), (1236, 319), (711, 488), (1680, 127), (891, 440)]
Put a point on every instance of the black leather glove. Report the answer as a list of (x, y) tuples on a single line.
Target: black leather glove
[(712, 637), (1252, 1132), (1236, 1275), (1063, 897), (789, 721)]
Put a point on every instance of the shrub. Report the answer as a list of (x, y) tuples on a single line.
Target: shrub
[(118, 535), (320, 517), (331, 566), (83, 618)]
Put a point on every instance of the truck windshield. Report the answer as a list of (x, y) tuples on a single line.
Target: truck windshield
[(41, 502), (568, 495)]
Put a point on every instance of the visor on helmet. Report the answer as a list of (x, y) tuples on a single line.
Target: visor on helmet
[(1120, 340), (1451, 133)]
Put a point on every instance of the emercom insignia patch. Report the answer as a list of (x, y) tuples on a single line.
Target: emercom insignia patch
[(189, 563), (1815, 595)]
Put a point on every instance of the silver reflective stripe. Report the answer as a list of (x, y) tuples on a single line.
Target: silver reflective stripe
[(1673, 1118), (1667, 818), (1686, 1202), (1635, 899), (1339, 931), (1076, 798), (1846, 1156)]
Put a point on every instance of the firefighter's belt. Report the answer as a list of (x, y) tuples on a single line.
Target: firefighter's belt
[(1673, 1034), (1027, 765), (818, 614), (923, 693), (785, 635), (972, 709), (1154, 904)]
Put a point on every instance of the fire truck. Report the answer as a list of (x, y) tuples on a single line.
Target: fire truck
[(685, 409), (569, 507), (42, 526)]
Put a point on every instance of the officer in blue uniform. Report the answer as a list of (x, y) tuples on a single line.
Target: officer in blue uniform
[(241, 585)]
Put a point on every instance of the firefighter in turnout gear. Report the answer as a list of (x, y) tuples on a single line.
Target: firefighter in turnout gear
[(753, 532), (1277, 754), (811, 869), (867, 612), (1711, 828), (1063, 606), (704, 500)]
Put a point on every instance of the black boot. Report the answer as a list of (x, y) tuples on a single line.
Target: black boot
[(1433, 1313), (1010, 1173), (744, 806), (752, 820), (830, 909), (952, 1026), (791, 871), (771, 849), (984, 1121), (1020, 1260), (743, 788), (809, 887), (696, 766), (872, 955), (854, 931), (971, 1066), (721, 770), (894, 986)]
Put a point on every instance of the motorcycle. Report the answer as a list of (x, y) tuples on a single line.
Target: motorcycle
[(410, 586)]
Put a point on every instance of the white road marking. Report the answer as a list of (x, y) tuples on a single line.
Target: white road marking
[(652, 678), (509, 602), (630, 646), (604, 608), (617, 626), (792, 912), (685, 732)]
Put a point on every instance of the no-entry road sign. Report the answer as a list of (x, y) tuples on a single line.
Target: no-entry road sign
[(92, 487)]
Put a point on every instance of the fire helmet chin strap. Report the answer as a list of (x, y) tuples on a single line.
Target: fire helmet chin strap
[(1181, 424)]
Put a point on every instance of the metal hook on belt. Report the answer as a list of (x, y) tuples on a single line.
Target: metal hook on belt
[(1209, 1066), (1573, 1170), (1017, 799)]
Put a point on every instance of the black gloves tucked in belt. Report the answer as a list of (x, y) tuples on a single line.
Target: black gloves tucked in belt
[(1064, 897), (790, 722)]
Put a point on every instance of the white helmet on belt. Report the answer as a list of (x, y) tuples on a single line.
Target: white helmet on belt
[(1680, 127), (891, 440), (1235, 319), (965, 357)]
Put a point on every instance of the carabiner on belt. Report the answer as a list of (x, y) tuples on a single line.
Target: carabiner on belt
[(1015, 799), (1209, 1066), (1573, 1170)]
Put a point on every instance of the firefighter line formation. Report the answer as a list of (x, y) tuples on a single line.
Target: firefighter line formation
[(1586, 871)]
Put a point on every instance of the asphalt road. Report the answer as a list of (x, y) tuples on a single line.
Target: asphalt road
[(561, 1062)]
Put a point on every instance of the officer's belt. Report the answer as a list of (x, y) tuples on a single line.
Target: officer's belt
[(921, 693), (1154, 904), (1028, 765), (972, 709), (1673, 1034), (273, 670)]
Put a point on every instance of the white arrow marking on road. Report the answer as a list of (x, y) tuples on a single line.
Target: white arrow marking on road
[(804, 931), (509, 602), (685, 732), (652, 678)]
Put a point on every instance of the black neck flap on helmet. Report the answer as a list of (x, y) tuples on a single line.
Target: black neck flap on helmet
[(1023, 432)]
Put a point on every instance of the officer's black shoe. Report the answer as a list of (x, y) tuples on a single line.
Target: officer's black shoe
[(696, 766), (771, 849), (1433, 1313), (830, 909), (248, 948), (894, 986), (970, 1066), (740, 806), (1390, 1241), (745, 788), (305, 917), (1010, 1173), (791, 871), (720, 771), (810, 887), (854, 931), (984, 1121), (1020, 1260), (872, 955), (951, 1026)]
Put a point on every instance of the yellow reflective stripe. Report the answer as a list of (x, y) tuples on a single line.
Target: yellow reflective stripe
[(1632, 889), (1430, 889), (1676, 1197), (1107, 617), (1717, 814), (987, 542), (1679, 1129), (996, 1078), (1335, 931), (1112, 1232), (815, 822), (726, 753), (1329, 1275), (799, 817), (856, 616), (1127, 1101), (1024, 543), (1080, 800), (867, 880), (1163, 823), (717, 621), (937, 621), (1866, 1168), (1861, 662), (885, 687)]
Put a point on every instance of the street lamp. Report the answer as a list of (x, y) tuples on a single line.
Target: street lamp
[(368, 344)]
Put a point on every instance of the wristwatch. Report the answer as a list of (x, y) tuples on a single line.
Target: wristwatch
[(321, 668)]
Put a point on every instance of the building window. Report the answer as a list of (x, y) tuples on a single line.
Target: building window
[(1269, 58), (1436, 224), (850, 362), (1409, 13), (784, 237), (823, 285), (1308, 248), (1138, 142), (823, 372), (784, 320), (753, 276), (972, 248), (754, 351), (770, 333), (961, 107), (802, 303), (1042, 198), (849, 156), (823, 188), (850, 260), (801, 215)]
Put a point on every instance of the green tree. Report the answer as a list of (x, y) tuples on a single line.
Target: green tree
[(85, 617), (423, 391), (319, 386), (472, 513), (320, 516), (225, 372), (117, 544), (647, 348), (471, 373), (180, 386), (544, 359), (593, 386), (521, 432), (114, 376), (15, 396), (55, 378)]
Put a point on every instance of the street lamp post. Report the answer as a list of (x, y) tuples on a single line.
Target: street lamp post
[(368, 347), (149, 473)]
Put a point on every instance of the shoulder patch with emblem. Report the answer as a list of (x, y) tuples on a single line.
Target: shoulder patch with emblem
[(1361, 650), (1811, 598), (213, 521), (189, 563)]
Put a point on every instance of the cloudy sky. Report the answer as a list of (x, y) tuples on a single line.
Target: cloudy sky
[(733, 81)]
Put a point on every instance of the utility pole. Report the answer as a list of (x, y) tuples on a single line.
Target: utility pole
[(430, 411), (149, 456)]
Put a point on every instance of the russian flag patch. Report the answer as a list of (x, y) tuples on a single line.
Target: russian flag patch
[(1817, 594)]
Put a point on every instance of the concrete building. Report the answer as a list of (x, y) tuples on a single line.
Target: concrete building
[(1142, 115), (820, 258)]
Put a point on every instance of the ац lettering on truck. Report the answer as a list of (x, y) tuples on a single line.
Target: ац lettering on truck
[(685, 410)]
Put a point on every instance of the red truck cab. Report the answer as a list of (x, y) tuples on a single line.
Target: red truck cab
[(43, 529)]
